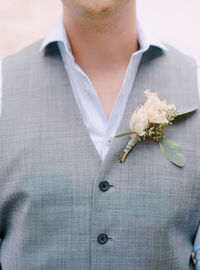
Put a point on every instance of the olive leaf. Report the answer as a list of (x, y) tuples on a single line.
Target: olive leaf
[(172, 152), (186, 110)]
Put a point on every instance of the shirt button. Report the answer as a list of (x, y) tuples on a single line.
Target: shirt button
[(102, 238), (87, 90), (104, 186), (109, 140)]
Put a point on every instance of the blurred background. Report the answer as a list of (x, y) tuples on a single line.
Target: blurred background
[(174, 21)]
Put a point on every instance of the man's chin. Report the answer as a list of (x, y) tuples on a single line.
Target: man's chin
[(99, 8)]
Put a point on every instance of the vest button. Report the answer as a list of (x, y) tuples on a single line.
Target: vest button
[(102, 238), (104, 186)]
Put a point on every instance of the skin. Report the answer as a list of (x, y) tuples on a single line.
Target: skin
[(102, 35)]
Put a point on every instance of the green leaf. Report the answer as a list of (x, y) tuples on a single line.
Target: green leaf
[(172, 152), (187, 110), (124, 134)]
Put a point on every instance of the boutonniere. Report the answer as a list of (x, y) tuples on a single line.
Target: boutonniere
[(149, 121)]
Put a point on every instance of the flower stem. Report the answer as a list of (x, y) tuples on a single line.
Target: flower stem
[(131, 143)]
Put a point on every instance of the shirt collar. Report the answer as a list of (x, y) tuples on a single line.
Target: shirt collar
[(146, 39), (58, 34)]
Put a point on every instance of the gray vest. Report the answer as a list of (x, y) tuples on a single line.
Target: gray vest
[(53, 214)]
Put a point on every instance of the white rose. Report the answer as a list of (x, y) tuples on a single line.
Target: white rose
[(156, 109), (159, 118), (139, 121)]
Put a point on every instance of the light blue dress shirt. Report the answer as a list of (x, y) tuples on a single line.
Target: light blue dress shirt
[(99, 128)]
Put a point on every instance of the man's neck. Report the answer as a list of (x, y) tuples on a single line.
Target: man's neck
[(106, 40)]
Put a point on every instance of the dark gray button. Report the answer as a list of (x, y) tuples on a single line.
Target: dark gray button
[(102, 238), (104, 186)]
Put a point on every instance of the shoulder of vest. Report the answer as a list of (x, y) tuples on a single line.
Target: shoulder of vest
[(177, 72), (174, 61), (183, 64), (28, 58), (29, 49), (29, 52), (174, 53)]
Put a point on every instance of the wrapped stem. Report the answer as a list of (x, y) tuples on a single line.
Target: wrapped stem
[(131, 143)]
